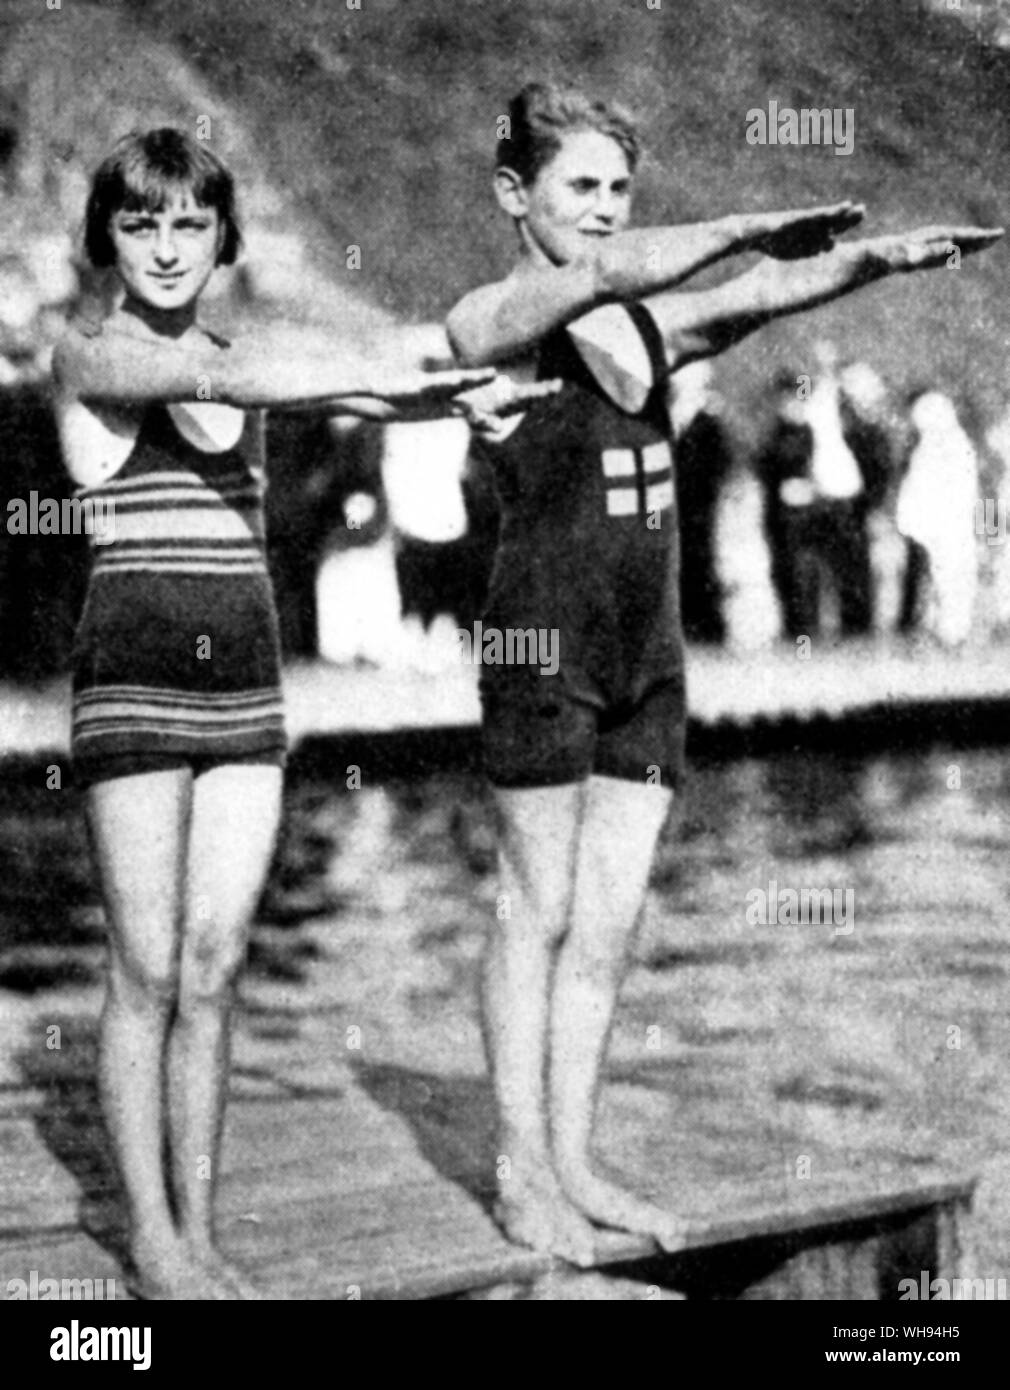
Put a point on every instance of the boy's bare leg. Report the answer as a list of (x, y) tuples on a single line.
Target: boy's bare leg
[(538, 832), (236, 811), (621, 824), (140, 860)]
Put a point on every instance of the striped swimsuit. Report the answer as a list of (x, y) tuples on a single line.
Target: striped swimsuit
[(177, 654)]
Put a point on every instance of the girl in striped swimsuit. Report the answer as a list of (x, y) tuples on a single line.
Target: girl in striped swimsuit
[(178, 729)]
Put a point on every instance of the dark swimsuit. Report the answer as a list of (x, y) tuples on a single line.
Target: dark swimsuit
[(588, 550), (177, 654)]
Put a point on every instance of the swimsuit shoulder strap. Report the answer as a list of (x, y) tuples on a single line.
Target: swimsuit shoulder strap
[(217, 339), (88, 325), (621, 348), (652, 338)]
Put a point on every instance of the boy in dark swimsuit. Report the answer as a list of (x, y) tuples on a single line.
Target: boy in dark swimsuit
[(584, 763)]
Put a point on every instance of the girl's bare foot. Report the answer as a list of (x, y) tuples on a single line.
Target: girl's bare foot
[(168, 1271), (532, 1210), (225, 1275), (609, 1205)]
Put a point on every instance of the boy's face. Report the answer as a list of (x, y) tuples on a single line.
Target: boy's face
[(165, 258), (582, 195)]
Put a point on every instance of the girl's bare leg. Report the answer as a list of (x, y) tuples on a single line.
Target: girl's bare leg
[(236, 811), (138, 835), (620, 827), (538, 830)]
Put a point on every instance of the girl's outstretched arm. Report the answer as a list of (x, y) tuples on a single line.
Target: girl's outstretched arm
[(702, 324), (434, 395), (115, 366), (500, 322)]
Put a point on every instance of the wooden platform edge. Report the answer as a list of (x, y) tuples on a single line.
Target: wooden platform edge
[(945, 1197)]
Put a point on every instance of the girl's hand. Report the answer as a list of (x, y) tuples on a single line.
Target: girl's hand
[(430, 393), (485, 408)]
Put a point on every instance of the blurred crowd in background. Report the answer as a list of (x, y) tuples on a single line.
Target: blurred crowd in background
[(845, 512)]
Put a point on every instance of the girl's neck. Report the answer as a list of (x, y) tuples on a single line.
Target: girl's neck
[(160, 323)]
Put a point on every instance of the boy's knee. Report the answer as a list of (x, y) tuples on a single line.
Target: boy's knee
[(599, 959), (535, 908)]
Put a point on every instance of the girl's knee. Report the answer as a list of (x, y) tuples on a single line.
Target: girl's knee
[(210, 970), (142, 981)]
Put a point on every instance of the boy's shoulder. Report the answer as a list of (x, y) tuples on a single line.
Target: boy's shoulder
[(472, 312)]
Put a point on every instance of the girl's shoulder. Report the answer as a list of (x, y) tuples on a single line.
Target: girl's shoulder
[(79, 340), (81, 327), (88, 324)]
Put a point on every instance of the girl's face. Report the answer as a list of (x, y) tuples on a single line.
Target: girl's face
[(165, 258), (581, 195)]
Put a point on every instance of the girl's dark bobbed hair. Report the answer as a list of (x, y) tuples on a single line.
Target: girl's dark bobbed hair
[(142, 173)]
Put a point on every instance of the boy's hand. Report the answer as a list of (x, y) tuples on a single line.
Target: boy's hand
[(928, 247), (792, 235), (485, 408), (420, 390)]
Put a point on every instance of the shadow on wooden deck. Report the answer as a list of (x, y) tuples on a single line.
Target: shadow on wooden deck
[(383, 1191), (451, 1117)]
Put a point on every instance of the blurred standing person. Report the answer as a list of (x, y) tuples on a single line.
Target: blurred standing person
[(936, 514), (423, 468), (783, 466), (823, 469), (752, 616), (994, 507), (873, 432), (704, 460)]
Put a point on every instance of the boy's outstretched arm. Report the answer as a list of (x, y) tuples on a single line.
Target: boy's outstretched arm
[(500, 322), (705, 323)]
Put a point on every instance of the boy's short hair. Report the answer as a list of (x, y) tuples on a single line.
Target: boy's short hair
[(142, 172), (543, 113)]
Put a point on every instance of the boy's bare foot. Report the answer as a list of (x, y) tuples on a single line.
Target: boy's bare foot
[(609, 1205), (534, 1211)]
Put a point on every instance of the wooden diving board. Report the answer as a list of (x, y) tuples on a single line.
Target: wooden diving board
[(336, 1197)]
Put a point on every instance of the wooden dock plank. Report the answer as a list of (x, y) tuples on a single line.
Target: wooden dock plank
[(325, 1197), (61, 1255)]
